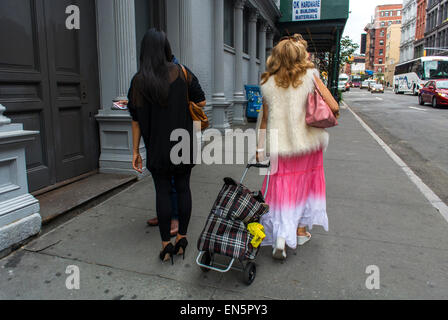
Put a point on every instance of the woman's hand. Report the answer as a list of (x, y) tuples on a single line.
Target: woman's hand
[(137, 162), (336, 114)]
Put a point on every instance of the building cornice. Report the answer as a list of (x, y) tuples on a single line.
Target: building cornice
[(428, 8), (408, 4), (408, 23), (407, 44), (268, 10)]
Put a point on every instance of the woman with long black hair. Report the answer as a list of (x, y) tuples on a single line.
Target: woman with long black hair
[(158, 105)]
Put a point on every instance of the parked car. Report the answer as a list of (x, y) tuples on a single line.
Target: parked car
[(341, 86), (376, 87), (370, 85), (434, 92), (356, 84), (347, 86), (366, 84)]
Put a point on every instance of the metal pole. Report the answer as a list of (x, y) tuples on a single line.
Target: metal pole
[(336, 64)]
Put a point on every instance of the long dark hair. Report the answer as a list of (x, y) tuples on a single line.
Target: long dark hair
[(152, 79)]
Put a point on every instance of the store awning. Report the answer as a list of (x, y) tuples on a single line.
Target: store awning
[(320, 22)]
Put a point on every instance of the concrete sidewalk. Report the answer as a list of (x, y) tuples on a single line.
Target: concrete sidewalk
[(377, 217)]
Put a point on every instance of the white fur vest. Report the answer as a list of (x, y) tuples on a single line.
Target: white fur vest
[(287, 112)]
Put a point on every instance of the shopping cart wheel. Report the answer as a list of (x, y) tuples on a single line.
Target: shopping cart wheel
[(249, 273), (206, 259)]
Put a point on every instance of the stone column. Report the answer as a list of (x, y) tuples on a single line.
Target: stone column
[(125, 45), (185, 32), (19, 210), (219, 102), (262, 46), (115, 125), (253, 72), (239, 97), (269, 42)]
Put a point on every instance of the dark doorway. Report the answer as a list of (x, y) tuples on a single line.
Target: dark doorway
[(49, 82), (148, 14)]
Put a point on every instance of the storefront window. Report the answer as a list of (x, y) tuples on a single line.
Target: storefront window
[(246, 32), (258, 40), (229, 23)]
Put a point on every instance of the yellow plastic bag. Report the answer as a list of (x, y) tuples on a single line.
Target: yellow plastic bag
[(257, 230)]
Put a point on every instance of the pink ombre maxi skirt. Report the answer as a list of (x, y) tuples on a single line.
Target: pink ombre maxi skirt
[(296, 196)]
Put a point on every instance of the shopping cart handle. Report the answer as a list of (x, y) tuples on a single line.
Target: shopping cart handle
[(258, 165)]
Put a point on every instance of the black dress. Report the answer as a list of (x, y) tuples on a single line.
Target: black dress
[(158, 122)]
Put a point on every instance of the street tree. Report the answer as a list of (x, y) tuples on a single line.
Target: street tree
[(348, 48)]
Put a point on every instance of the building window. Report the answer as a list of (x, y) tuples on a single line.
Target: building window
[(382, 33), (258, 41), (380, 61), (382, 42), (381, 52), (382, 24), (387, 13), (229, 23), (380, 69), (398, 13), (246, 32)]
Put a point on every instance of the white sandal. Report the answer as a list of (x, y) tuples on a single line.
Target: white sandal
[(301, 240), (279, 252)]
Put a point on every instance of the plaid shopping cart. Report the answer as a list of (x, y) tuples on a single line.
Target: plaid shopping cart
[(225, 232)]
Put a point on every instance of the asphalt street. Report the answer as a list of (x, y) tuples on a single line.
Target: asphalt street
[(417, 134)]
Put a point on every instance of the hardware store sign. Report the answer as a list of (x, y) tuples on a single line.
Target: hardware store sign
[(303, 10)]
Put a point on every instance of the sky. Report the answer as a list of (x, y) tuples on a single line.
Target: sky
[(361, 14)]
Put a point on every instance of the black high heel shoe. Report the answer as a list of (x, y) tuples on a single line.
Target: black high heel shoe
[(181, 247), (168, 251)]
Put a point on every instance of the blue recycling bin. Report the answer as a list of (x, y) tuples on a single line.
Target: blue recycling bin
[(254, 101)]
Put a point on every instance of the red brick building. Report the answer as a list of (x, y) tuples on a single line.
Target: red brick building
[(420, 29), (385, 15)]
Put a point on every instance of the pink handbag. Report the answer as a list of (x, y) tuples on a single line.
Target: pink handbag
[(318, 113)]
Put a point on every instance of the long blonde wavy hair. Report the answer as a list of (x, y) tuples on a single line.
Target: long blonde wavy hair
[(288, 62)]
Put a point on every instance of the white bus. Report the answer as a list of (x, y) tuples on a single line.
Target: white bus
[(412, 75)]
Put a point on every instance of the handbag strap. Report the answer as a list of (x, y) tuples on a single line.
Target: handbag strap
[(328, 103), (316, 86), (186, 81)]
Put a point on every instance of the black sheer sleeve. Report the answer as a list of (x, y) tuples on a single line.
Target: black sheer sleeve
[(131, 104), (195, 90)]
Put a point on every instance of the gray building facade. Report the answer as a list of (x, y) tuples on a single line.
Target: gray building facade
[(58, 84), (436, 35), (408, 24)]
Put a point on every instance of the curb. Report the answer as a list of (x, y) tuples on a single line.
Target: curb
[(435, 201)]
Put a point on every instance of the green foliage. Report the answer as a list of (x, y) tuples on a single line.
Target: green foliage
[(348, 48), (340, 96)]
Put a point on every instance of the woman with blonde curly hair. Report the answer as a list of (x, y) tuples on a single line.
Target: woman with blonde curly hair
[(296, 194)]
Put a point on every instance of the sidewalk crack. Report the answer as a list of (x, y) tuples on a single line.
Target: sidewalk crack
[(43, 249)]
